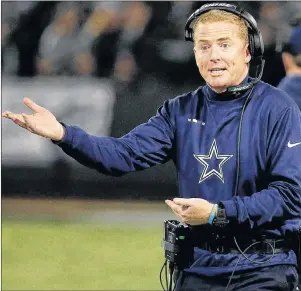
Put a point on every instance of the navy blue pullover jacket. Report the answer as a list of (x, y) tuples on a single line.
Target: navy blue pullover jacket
[(292, 86), (198, 131)]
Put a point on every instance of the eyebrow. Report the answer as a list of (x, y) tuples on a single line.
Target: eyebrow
[(219, 39)]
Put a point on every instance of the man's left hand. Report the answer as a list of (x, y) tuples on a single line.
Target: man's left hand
[(193, 211)]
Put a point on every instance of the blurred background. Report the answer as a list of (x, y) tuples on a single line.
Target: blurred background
[(106, 67)]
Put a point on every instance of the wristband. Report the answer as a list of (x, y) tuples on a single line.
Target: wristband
[(212, 214)]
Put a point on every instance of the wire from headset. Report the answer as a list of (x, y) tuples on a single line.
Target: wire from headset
[(256, 45)]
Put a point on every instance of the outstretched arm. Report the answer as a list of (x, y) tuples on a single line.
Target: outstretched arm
[(147, 145)]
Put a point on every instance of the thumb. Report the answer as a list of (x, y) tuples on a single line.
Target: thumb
[(33, 106)]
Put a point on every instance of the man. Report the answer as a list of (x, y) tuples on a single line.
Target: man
[(236, 144), (291, 83), (291, 57)]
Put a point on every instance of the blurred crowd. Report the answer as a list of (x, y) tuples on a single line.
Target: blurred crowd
[(138, 46), (124, 41)]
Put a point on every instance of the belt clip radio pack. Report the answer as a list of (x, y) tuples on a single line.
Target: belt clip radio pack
[(177, 244), (178, 249)]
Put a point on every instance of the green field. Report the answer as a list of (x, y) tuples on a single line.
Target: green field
[(46, 255)]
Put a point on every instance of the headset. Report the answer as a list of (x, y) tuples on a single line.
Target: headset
[(256, 45)]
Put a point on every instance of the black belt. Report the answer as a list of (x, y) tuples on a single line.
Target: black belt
[(264, 246)]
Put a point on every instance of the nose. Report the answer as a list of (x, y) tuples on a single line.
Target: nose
[(215, 54)]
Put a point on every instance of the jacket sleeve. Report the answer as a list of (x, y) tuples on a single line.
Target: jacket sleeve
[(282, 198), (146, 145)]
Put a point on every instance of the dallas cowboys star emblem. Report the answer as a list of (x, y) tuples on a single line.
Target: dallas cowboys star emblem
[(214, 157)]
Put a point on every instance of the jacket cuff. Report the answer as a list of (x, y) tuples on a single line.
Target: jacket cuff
[(67, 136), (231, 209)]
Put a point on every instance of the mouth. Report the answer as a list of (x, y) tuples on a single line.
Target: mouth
[(217, 71)]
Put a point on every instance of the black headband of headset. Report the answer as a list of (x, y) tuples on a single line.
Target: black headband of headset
[(251, 23)]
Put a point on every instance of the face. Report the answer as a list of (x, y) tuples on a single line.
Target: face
[(221, 55)]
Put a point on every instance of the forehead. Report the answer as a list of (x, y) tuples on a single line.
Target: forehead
[(216, 30)]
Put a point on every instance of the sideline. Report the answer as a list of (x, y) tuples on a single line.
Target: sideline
[(141, 213)]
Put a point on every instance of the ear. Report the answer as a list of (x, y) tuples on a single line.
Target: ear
[(288, 61), (247, 54)]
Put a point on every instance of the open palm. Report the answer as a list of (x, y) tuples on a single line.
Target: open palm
[(42, 122)]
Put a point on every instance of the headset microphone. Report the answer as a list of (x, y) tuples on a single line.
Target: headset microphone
[(249, 85)]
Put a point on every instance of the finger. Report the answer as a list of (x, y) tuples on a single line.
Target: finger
[(183, 201), (170, 203), (33, 106), (180, 207), (19, 122), (7, 114), (26, 118), (172, 207), (16, 118), (176, 208), (28, 123), (13, 116)]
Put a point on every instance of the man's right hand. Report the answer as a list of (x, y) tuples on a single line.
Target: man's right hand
[(42, 122)]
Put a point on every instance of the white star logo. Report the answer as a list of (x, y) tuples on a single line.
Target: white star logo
[(222, 160)]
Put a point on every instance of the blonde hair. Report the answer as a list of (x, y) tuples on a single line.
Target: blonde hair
[(221, 15)]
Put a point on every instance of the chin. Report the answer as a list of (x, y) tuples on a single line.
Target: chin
[(218, 85)]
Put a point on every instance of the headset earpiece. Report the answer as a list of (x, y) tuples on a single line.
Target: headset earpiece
[(251, 43)]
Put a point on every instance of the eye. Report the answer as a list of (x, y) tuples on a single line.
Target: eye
[(204, 47), (224, 45)]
